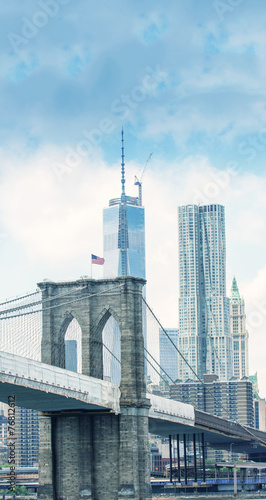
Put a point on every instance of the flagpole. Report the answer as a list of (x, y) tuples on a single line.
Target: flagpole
[(91, 266)]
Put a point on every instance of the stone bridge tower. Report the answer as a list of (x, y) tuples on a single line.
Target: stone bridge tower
[(96, 455)]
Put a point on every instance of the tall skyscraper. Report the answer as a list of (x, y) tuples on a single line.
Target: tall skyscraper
[(239, 332), (204, 316), (124, 254), (124, 234)]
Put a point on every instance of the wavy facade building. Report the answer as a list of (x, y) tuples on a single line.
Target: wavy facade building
[(204, 310)]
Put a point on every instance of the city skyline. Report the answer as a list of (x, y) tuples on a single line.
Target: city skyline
[(187, 84)]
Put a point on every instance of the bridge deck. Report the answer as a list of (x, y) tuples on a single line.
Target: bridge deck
[(47, 388)]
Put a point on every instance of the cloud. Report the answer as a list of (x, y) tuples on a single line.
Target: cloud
[(66, 78), (89, 69)]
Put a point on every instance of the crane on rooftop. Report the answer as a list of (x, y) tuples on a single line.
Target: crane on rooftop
[(138, 181)]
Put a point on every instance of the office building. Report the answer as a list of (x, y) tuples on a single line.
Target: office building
[(239, 333), (231, 399), (3, 433), (26, 435), (124, 255), (260, 414), (259, 404), (204, 315), (255, 384), (168, 352), (27, 432)]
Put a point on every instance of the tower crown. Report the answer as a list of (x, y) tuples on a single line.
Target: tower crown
[(235, 295)]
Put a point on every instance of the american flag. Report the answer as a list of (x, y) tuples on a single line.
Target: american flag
[(97, 260)]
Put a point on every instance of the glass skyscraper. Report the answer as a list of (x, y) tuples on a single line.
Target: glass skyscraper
[(124, 238), (168, 353), (124, 255), (204, 315), (124, 233)]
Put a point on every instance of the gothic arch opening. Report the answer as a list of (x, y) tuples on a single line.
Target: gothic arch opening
[(107, 350), (73, 346), (111, 337)]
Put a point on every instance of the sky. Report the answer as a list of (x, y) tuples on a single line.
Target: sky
[(186, 81)]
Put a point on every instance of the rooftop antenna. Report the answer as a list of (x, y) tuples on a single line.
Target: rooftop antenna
[(123, 234), (123, 166)]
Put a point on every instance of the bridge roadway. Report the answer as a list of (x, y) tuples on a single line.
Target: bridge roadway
[(47, 388)]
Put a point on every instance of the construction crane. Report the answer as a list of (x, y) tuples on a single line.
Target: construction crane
[(138, 181)]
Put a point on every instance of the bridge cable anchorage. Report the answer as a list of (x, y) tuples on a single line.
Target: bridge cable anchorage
[(201, 381), (85, 296)]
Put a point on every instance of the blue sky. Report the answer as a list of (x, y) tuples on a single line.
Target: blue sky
[(186, 80)]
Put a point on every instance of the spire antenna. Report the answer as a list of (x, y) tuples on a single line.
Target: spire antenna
[(123, 166)]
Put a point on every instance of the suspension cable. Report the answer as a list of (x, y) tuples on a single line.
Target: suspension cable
[(32, 304), (201, 381), (30, 294), (85, 296)]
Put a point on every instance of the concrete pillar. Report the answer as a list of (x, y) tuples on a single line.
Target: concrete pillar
[(67, 457), (132, 386), (86, 456), (144, 454), (128, 455), (46, 478), (105, 431)]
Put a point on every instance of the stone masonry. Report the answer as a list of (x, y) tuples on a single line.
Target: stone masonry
[(96, 455)]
